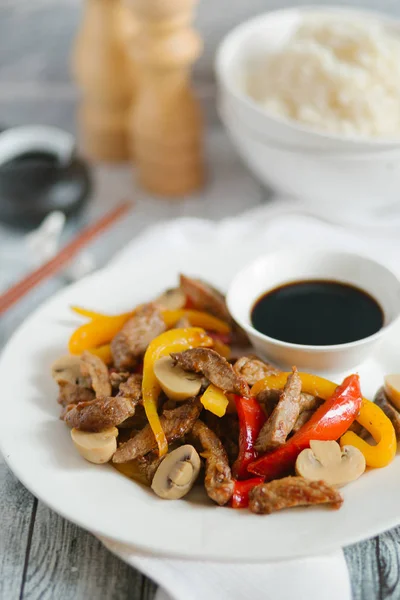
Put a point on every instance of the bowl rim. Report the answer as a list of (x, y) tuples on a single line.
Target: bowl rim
[(234, 90), (309, 347), (235, 122)]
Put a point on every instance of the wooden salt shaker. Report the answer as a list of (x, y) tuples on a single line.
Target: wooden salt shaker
[(104, 73), (166, 124)]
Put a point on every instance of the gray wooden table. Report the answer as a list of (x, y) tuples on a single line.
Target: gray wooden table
[(42, 556)]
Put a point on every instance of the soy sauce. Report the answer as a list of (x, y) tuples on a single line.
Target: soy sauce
[(317, 313)]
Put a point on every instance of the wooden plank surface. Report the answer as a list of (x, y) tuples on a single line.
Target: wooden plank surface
[(68, 563), (16, 511), (374, 567)]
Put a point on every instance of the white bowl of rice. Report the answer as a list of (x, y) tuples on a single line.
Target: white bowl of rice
[(322, 84)]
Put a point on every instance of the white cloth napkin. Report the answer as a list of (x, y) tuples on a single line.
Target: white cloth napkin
[(309, 579), (281, 225)]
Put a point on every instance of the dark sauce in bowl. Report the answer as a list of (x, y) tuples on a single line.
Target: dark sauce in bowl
[(317, 313)]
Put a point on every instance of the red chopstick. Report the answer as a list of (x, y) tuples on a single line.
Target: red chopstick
[(55, 264)]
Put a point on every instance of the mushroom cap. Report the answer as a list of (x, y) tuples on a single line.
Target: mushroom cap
[(66, 369), (176, 383), (327, 461), (172, 299), (177, 473), (96, 447)]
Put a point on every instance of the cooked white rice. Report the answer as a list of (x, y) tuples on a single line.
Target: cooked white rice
[(338, 76)]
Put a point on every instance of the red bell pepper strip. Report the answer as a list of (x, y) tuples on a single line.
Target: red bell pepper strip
[(329, 422), (240, 497), (225, 338), (251, 419)]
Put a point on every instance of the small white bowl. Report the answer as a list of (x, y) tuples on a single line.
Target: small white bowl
[(347, 181), (242, 53), (317, 167), (276, 269)]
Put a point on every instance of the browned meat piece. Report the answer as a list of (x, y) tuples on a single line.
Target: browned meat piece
[(302, 420), (390, 411), (276, 429), (137, 421), (95, 368), (175, 423), (216, 368), (100, 413), (288, 492), (227, 429), (132, 388), (168, 404), (107, 412), (252, 369), (269, 399), (118, 377), (309, 402), (149, 464), (204, 297), (356, 427), (218, 479), (137, 333), (71, 393)]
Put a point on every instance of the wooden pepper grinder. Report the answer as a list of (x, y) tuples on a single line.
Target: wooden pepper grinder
[(104, 73), (166, 124)]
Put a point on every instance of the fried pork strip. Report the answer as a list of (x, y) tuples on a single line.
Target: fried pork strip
[(175, 423), (205, 298), (253, 369), (218, 479), (101, 413), (213, 366), (390, 411), (93, 367), (137, 333), (289, 492), (283, 418)]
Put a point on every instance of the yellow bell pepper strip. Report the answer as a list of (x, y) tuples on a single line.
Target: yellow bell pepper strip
[(221, 348), (371, 417), (89, 314), (174, 340), (196, 319), (103, 352), (96, 333), (310, 384), (215, 400), (381, 428)]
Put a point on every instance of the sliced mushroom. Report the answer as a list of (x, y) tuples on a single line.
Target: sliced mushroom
[(176, 383), (327, 461), (66, 369), (98, 447), (177, 473), (392, 389), (172, 299)]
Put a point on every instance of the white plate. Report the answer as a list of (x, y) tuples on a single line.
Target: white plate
[(38, 448)]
